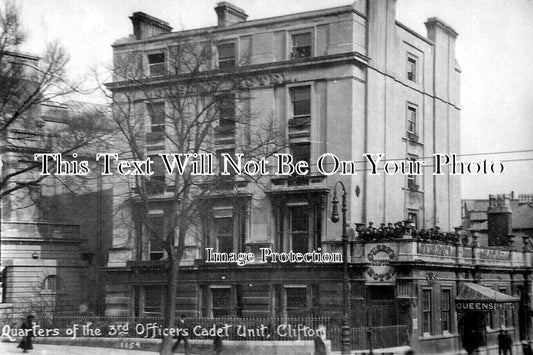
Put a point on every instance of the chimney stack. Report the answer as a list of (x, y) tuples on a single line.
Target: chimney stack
[(229, 14), (499, 220), (145, 26)]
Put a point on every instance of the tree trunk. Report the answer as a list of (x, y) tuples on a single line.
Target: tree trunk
[(170, 301)]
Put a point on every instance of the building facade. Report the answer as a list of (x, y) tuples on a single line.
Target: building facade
[(348, 81), (500, 215), (48, 233)]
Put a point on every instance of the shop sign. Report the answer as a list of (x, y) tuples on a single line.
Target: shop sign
[(481, 306), (493, 254)]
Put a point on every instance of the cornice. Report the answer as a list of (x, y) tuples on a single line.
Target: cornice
[(248, 70)]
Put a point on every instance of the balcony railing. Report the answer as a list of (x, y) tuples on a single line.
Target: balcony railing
[(224, 130), (300, 121), (412, 185), (154, 137), (403, 244), (152, 264), (412, 136), (40, 230), (298, 180)]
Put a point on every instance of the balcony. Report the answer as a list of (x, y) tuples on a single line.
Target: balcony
[(225, 134), (152, 137), (411, 185), (418, 251), (147, 264), (155, 187), (155, 141), (299, 127), (393, 252), (413, 137), (222, 184), (310, 181), (393, 245), (300, 121)]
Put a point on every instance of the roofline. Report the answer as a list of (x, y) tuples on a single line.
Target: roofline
[(443, 25), (263, 21), (242, 25), (416, 34)]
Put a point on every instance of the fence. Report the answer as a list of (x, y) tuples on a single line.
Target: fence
[(374, 337), (231, 328)]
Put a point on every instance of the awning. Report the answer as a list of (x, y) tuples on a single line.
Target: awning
[(474, 297)]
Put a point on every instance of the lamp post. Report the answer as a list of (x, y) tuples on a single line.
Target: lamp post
[(345, 333)]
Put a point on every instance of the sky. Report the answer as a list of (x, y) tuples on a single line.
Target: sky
[(494, 50)]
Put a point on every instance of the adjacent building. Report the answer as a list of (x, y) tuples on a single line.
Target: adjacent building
[(500, 215), (50, 230)]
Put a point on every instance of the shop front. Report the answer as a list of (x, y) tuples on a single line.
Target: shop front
[(474, 305)]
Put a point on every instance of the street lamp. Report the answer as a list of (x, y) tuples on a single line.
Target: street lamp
[(345, 333)]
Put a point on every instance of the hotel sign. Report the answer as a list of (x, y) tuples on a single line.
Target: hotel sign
[(483, 306), (436, 249), (380, 272)]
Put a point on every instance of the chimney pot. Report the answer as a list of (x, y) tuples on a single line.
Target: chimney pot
[(499, 220), (434, 23), (506, 201), (492, 201), (229, 14), (145, 26)]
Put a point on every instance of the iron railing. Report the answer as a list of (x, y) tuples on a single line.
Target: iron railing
[(231, 328)]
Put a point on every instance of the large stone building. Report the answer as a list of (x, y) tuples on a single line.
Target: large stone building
[(51, 232), (347, 80)]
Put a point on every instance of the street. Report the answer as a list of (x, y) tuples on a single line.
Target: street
[(42, 349)]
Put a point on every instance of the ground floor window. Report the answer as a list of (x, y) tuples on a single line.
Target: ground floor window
[(150, 300), (296, 300), (221, 299), (490, 320), (446, 314), (505, 315), (427, 312), (52, 283)]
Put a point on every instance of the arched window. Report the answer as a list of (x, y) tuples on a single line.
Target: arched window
[(52, 283)]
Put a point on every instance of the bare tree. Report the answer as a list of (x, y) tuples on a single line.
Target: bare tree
[(27, 85), (184, 106)]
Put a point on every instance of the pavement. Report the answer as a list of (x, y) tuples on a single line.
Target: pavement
[(44, 349)]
